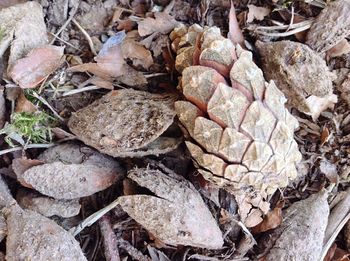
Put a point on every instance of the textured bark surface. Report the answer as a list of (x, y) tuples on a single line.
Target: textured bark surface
[(71, 171), (123, 121), (177, 214), (330, 27), (301, 234), (242, 133), (300, 73)]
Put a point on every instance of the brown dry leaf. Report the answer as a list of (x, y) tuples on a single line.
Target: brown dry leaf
[(25, 29), (109, 61), (272, 220), (135, 51), (31, 236), (343, 47), (70, 171), (24, 105), (235, 33), (126, 123), (257, 13), (300, 73), (177, 214), (330, 27), (300, 236), (161, 23), (28, 72), (325, 135), (46, 206)]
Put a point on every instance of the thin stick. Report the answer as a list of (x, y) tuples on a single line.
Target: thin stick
[(281, 27), (109, 239), (87, 36), (65, 24), (90, 220), (65, 42), (297, 30), (48, 105), (132, 251), (30, 146), (87, 88)]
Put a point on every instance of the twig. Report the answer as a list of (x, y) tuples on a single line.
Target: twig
[(30, 146), (87, 36), (66, 23), (48, 105), (282, 27), (291, 20), (297, 30), (65, 42), (87, 88), (90, 220), (132, 251), (109, 239)]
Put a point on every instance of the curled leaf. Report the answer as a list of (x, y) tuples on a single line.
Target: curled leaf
[(177, 214)]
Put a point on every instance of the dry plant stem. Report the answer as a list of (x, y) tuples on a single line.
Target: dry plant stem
[(65, 42), (87, 36), (288, 33), (109, 239), (339, 216), (90, 220), (282, 27), (48, 105), (208, 258), (30, 146), (132, 251), (66, 23), (75, 91)]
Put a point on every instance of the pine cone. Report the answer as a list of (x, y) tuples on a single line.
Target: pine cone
[(240, 133)]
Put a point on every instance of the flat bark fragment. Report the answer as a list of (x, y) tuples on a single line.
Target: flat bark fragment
[(300, 237), (330, 27), (177, 214)]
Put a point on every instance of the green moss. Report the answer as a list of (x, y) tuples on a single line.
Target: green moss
[(29, 128)]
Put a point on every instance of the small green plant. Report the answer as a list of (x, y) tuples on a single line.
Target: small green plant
[(26, 128)]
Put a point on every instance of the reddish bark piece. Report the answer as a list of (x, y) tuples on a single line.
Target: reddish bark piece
[(31, 236), (28, 72), (330, 27), (177, 214), (244, 131), (71, 171), (123, 123)]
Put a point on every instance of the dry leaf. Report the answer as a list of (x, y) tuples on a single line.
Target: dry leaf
[(272, 220), (343, 47), (28, 72), (330, 27), (123, 123), (137, 53), (235, 33), (109, 61), (70, 171), (24, 105), (257, 13), (177, 214), (161, 23), (25, 29), (46, 206), (300, 73), (301, 234), (324, 136), (31, 236)]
